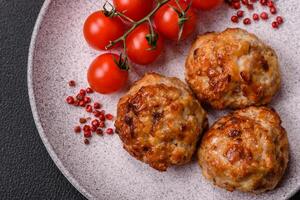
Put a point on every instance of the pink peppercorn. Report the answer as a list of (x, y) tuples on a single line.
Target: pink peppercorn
[(236, 5), (255, 17), (72, 83), (273, 10), (240, 13), (247, 21), (87, 99), (89, 108), (82, 92), (89, 90), (235, 19), (102, 124), (264, 16), (70, 100), (275, 24), (93, 128), (87, 134), (99, 131), (97, 105), (95, 122), (279, 20), (109, 131), (86, 128), (77, 129), (86, 141)]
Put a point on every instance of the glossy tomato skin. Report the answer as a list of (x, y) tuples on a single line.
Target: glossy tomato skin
[(104, 75), (206, 4), (99, 30), (166, 21), (134, 9), (138, 49)]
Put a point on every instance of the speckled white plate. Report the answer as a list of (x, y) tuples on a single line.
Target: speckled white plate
[(103, 170)]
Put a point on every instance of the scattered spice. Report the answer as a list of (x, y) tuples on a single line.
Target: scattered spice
[(97, 125), (70, 100), (250, 7), (89, 90), (96, 113), (87, 99), (109, 116), (264, 16), (235, 19), (77, 129), (97, 105), (275, 24), (247, 21), (279, 20), (109, 131), (240, 13), (72, 83), (82, 120), (99, 131), (255, 17), (102, 124), (270, 6), (93, 129), (81, 103), (87, 134), (86, 128), (86, 141), (79, 97), (273, 10), (102, 117), (236, 5), (89, 108)]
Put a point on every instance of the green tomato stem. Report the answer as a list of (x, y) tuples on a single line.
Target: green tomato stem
[(135, 24)]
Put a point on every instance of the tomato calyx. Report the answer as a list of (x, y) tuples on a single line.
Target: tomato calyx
[(182, 16), (109, 12), (152, 38), (112, 12), (122, 63)]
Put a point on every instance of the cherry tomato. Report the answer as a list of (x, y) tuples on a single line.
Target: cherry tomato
[(167, 20), (105, 76), (134, 9), (206, 4), (99, 30), (139, 49)]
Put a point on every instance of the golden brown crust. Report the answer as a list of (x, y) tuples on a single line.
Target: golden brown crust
[(232, 69), (246, 150), (160, 122)]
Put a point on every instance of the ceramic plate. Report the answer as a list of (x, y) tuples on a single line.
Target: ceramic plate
[(103, 170)]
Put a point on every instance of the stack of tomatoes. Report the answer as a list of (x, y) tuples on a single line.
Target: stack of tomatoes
[(153, 23)]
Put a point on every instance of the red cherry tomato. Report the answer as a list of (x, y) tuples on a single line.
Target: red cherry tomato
[(134, 9), (167, 19), (99, 30), (105, 76), (139, 50), (206, 4)]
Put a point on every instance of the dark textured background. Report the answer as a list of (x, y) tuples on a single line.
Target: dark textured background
[(26, 170)]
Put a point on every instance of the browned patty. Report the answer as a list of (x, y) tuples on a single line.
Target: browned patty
[(246, 150), (159, 121), (232, 69)]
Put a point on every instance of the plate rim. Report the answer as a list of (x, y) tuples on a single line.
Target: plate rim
[(34, 111), (36, 117)]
